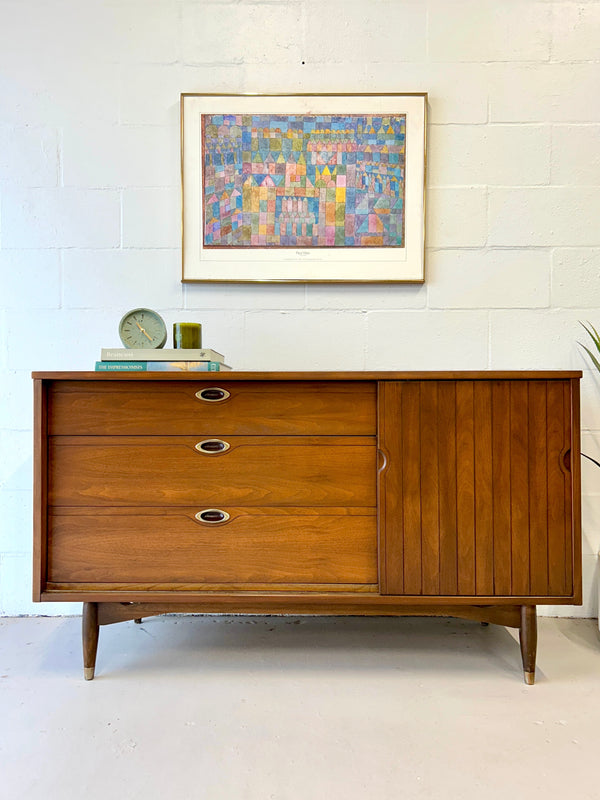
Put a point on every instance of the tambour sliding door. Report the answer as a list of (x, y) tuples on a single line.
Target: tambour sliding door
[(476, 488)]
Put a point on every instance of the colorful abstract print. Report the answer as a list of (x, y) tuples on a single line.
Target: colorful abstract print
[(303, 181)]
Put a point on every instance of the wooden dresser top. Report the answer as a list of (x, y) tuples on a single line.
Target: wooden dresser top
[(367, 375)]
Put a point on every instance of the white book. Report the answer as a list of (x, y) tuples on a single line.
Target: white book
[(164, 354)]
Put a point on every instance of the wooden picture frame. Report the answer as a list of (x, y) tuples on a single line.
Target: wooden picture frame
[(303, 188)]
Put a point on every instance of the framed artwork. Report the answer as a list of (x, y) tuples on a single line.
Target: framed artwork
[(303, 187)]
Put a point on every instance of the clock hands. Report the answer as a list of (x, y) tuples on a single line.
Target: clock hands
[(142, 330)]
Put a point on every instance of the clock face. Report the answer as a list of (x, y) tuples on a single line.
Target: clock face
[(143, 328)]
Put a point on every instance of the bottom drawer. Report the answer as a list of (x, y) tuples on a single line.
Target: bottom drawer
[(254, 546)]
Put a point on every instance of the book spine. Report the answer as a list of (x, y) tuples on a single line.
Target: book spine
[(120, 366), (159, 366), (125, 354)]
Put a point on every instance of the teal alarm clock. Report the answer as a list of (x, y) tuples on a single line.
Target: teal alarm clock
[(143, 328)]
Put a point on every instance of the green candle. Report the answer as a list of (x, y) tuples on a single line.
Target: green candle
[(187, 335)]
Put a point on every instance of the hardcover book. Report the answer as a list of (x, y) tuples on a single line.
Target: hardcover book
[(161, 366), (164, 354)]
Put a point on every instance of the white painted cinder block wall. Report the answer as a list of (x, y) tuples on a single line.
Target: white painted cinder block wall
[(90, 208)]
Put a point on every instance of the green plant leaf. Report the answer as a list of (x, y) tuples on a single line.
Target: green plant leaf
[(591, 355), (592, 333)]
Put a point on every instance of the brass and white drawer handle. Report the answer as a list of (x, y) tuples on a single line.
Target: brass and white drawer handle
[(213, 394), (212, 446), (212, 515)]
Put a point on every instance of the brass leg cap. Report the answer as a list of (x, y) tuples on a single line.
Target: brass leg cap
[(88, 673), (529, 678)]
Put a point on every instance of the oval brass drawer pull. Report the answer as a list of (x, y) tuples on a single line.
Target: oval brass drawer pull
[(213, 394), (212, 516), (211, 446)]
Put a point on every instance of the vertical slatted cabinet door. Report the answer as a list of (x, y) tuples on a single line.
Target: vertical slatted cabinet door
[(476, 500)]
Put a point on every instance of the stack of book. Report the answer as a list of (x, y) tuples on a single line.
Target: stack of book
[(123, 359)]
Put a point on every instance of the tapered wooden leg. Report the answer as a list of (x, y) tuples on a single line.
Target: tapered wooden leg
[(89, 631), (528, 639)]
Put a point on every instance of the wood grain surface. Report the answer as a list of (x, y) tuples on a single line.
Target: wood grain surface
[(142, 471), (249, 548), (486, 495), (172, 408)]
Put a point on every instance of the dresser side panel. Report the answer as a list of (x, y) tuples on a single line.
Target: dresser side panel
[(40, 491)]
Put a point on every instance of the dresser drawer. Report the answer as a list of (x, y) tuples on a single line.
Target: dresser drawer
[(251, 408), (261, 546), (253, 470)]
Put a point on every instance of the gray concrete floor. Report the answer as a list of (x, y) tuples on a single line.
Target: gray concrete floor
[(262, 708)]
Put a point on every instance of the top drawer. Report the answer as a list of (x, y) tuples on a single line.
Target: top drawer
[(335, 408)]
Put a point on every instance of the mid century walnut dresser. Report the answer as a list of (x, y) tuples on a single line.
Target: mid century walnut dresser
[(434, 493)]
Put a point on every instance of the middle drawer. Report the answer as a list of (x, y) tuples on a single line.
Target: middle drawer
[(179, 470)]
